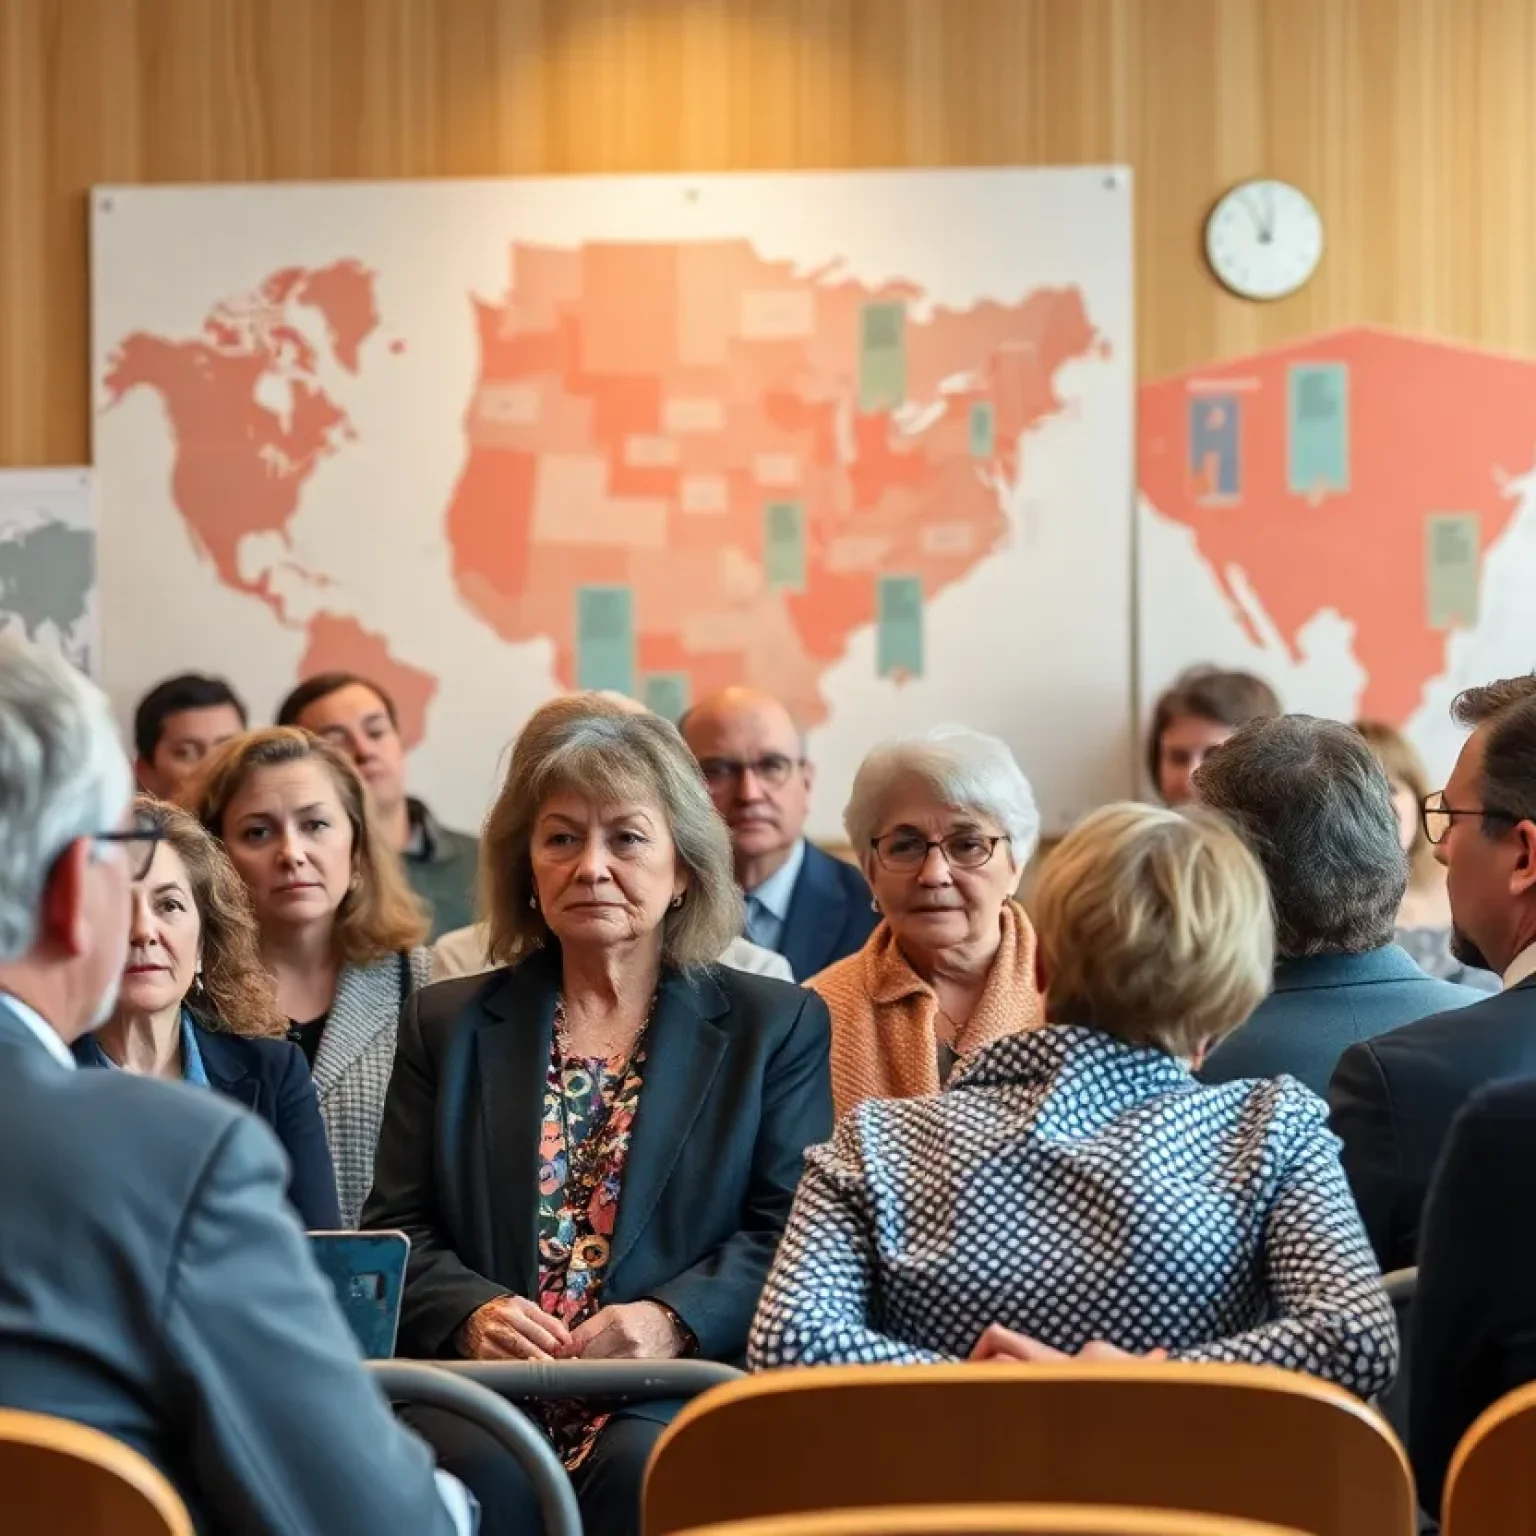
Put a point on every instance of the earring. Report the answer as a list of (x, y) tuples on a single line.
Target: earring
[(677, 901), (533, 903), (874, 905)]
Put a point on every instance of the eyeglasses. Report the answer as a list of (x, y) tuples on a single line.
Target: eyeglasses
[(139, 843), (773, 770), (1436, 816), (904, 852)]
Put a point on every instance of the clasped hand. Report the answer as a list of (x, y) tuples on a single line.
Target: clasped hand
[(999, 1343), (514, 1328)]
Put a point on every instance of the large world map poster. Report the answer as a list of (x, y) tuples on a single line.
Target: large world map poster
[(861, 440)]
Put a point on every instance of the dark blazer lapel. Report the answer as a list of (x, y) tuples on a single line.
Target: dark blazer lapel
[(511, 1064), (226, 1071), (815, 918), (683, 1051)]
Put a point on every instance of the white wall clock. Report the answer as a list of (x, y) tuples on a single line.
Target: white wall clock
[(1264, 239)]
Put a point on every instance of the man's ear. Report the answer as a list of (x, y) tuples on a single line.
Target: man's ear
[(65, 923), (1522, 877), (143, 775)]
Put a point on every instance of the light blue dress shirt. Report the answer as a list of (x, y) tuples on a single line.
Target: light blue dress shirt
[(768, 904)]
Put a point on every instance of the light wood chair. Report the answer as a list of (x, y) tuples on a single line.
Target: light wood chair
[(1491, 1487), (57, 1476), (997, 1520), (1248, 1442)]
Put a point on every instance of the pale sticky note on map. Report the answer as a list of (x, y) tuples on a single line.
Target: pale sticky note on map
[(1452, 553), (645, 452), (508, 404), (1318, 428), (696, 415), (899, 643), (947, 539), (777, 314), (784, 545), (776, 469), (666, 694), (605, 638), (882, 356), (704, 493), (856, 552), (981, 429)]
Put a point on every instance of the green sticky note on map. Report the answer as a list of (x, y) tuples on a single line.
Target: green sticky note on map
[(882, 356), (981, 429), (1451, 557), (605, 638), (784, 545), (1318, 428), (899, 626), (666, 694)]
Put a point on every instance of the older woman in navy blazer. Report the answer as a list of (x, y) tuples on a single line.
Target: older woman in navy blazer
[(196, 1004)]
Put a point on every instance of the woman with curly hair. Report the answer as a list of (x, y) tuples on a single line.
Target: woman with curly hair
[(196, 1003)]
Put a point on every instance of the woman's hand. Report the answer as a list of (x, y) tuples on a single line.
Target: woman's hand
[(999, 1343), (513, 1328), (635, 1330)]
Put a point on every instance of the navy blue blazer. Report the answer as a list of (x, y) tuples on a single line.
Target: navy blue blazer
[(1323, 1004), (1393, 1100), (737, 1084), (271, 1079), (830, 914)]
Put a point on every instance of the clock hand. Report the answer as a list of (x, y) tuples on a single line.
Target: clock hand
[(1267, 229)]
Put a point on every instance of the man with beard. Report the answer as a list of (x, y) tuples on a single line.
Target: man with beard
[(813, 909), (1394, 1098)]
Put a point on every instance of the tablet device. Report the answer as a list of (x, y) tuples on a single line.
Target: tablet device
[(367, 1272)]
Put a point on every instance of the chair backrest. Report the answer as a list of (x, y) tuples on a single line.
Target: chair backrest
[(1244, 1441), (56, 1475), (997, 1520), (1490, 1489)]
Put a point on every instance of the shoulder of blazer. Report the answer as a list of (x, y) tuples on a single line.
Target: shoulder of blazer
[(752, 1003), (1449, 1034)]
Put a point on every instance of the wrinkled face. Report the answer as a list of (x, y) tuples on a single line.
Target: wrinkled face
[(186, 738), (930, 901), (604, 874), (751, 759), (1183, 746), (355, 719), (164, 937), (288, 835), (1481, 865)]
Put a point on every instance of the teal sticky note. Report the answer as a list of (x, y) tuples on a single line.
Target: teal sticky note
[(605, 638), (784, 545), (1452, 555), (981, 429), (899, 626), (882, 356), (666, 694), (1318, 428)]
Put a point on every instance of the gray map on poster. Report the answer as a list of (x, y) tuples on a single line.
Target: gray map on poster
[(48, 560)]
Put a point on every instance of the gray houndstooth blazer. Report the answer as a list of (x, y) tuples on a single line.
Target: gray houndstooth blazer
[(353, 1063)]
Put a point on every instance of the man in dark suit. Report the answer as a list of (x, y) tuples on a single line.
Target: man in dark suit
[(1314, 805), (811, 908), (155, 1284), (1394, 1098)]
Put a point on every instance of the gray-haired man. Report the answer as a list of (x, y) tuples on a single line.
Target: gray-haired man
[(155, 1286)]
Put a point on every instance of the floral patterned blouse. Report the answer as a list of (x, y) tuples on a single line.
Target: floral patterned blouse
[(589, 1111)]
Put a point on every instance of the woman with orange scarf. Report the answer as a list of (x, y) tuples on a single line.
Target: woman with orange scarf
[(943, 823)]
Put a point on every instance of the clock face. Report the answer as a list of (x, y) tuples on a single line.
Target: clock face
[(1264, 239)]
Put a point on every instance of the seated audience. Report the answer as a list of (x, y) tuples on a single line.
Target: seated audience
[(360, 717), (594, 1148), (1076, 1191), (467, 952), (944, 823), (177, 724), (340, 930), (810, 907), (1424, 918), (1394, 1097), (156, 1286), (1202, 708), (1473, 1319), (1313, 804), (196, 1005)]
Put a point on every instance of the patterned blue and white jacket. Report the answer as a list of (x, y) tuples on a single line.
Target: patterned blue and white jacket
[(1073, 1187)]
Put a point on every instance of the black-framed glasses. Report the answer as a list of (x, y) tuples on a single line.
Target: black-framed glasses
[(1435, 816), (772, 769), (903, 852), (138, 841)]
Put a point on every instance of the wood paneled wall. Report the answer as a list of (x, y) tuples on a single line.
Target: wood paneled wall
[(1411, 122)]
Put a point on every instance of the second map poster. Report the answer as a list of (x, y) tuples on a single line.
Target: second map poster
[(862, 440)]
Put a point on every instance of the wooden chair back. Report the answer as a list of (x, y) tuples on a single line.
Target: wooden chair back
[(1248, 1442), (58, 1476), (997, 1520), (1491, 1487)]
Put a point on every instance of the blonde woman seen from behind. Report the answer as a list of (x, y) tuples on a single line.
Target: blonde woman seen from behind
[(1075, 1191), (943, 824)]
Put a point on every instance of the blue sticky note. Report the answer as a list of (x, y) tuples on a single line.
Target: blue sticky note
[(1318, 428), (1216, 446), (667, 694), (982, 429), (784, 545), (605, 638), (899, 632), (882, 356)]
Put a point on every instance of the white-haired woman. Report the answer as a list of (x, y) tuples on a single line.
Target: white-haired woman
[(943, 824), (594, 1147), (1077, 1191)]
